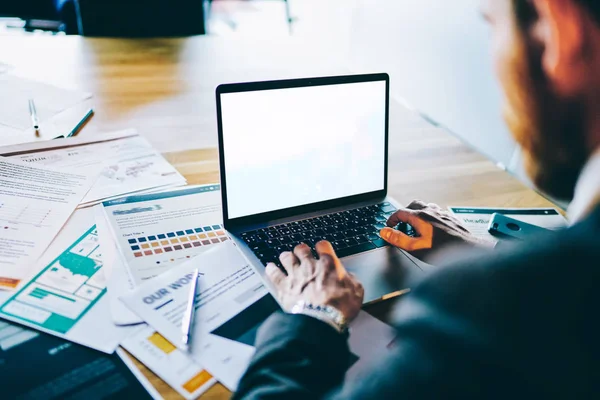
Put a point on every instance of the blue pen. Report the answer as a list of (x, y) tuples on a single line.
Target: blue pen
[(74, 131)]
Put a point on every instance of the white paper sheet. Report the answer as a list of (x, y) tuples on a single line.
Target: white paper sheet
[(66, 296), (35, 203), (4, 68), (118, 280), (125, 162), (49, 101), (227, 286), (172, 365), (155, 232), (477, 219), (225, 359)]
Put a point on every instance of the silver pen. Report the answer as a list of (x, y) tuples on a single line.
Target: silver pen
[(188, 317), (34, 118)]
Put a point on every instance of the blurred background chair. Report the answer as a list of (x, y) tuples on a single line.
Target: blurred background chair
[(110, 18), (143, 18), (139, 18), (33, 14)]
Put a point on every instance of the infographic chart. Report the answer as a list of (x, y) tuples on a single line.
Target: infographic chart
[(64, 290)]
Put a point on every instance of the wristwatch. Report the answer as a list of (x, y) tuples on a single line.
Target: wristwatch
[(328, 314)]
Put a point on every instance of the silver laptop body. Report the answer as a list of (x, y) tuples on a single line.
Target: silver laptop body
[(304, 160)]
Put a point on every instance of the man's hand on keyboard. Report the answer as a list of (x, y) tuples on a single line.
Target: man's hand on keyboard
[(435, 228), (323, 282)]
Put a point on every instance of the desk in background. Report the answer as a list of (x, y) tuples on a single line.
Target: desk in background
[(165, 89)]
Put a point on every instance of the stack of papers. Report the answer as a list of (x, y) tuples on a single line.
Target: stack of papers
[(35, 203), (123, 162), (97, 246), (149, 234), (41, 184), (52, 264), (228, 287), (67, 295)]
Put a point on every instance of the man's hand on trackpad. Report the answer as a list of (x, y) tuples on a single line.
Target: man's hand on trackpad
[(435, 229)]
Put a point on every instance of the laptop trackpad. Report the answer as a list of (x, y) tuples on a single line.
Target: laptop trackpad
[(383, 271)]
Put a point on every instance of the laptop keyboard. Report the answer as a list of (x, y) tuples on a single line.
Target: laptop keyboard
[(350, 232)]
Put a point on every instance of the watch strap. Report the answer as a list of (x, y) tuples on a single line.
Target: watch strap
[(328, 314)]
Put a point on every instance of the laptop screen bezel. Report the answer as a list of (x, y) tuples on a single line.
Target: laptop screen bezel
[(232, 224)]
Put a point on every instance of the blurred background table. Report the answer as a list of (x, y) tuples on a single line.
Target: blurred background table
[(165, 89)]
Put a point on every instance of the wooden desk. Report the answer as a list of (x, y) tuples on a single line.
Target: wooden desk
[(165, 89)]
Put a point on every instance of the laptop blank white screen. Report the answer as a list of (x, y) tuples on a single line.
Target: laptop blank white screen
[(292, 147)]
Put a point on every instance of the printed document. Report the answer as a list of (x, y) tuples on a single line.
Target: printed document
[(35, 203), (66, 297), (477, 219), (227, 286), (125, 162), (118, 281), (155, 232), (172, 365)]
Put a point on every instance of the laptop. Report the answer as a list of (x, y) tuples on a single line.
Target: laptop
[(306, 160)]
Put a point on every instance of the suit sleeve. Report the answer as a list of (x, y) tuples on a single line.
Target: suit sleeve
[(439, 336), (297, 357), (483, 328)]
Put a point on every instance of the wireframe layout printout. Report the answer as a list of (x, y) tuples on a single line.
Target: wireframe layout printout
[(66, 297)]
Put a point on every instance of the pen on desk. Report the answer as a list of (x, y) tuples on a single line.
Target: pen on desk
[(83, 121), (34, 118), (188, 317), (78, 127)]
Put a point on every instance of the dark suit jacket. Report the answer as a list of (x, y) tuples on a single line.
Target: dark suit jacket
[(522, 323)]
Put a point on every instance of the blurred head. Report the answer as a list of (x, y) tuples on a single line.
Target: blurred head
[(547, 57)]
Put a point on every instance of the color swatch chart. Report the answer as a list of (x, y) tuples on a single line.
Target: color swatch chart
[(168, 242)]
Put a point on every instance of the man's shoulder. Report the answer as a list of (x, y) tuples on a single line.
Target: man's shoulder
[(523, 317), (531, 305)]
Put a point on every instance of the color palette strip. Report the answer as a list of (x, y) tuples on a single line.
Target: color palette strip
[(168, 242)]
